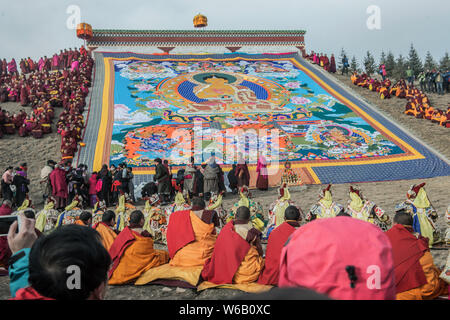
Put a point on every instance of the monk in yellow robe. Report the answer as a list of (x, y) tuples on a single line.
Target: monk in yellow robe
[(105, 228), (132, 252), (191, 235), (416, 276), (238, 255)]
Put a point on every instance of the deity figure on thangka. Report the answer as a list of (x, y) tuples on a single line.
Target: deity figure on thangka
[(123, 211), (277, 208), (47, 218), (256, 210), (98, 211), (289, 176), (72, 212), (155, 219), (182, 202), (325, 207), (423, 213), (216, 204), (366, 210)]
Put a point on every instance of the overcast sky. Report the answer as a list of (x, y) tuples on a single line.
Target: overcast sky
[(36, 28)]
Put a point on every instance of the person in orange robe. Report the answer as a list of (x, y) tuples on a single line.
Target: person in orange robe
[(238, 256), (277, 239), (416, 276), (85, 219), (191, 235), (105, 228), (132, 252)]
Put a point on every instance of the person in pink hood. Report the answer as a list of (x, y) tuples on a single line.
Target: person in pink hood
[(343, 258)]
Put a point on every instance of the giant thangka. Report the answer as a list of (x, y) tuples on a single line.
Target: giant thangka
[(230, 105)]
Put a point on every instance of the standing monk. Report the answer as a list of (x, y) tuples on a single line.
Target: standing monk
[(262, 182), (59, 186), (242, 173)]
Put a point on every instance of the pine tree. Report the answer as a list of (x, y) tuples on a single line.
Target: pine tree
[(445, 62), (354, 65), (400, 68), (414, 61), (383, 58), (369, 64), (390, 63), (341, 57), (429, 64)]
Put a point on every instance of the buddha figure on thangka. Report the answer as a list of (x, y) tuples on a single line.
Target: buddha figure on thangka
[(366, 210), (257, 216)]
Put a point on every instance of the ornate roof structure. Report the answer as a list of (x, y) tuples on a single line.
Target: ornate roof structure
[(170, 39)]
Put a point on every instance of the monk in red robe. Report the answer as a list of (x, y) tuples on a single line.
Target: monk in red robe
[(277, 239), (242, 173), (132, 252), (191, 235), (59, 186), (237, 256), (416, 276), (332, 67)]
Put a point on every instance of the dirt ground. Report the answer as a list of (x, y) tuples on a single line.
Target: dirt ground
[(14, 150)]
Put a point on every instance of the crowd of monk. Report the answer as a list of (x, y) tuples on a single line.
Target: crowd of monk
[(202, 253), (418, 103), (62, 81), (322, 60)]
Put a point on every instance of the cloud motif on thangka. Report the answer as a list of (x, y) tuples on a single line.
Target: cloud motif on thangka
[(121, 112), (146, 70)]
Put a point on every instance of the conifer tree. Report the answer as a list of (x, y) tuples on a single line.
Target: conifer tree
[(445, 62), (414, 61), (390, 63), (429, 64), (369, 64), (354, 65)]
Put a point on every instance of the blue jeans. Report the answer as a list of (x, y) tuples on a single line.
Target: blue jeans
[(440, 87)]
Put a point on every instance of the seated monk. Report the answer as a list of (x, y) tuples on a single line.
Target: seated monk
[(384, 93), (105, 228), (132, 252), (191, 235), (277, 239), (416, 276), (443, 121), (238, 256), (410, 109), (436, 116), (36, 130), (428, 112), (85, 219)]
